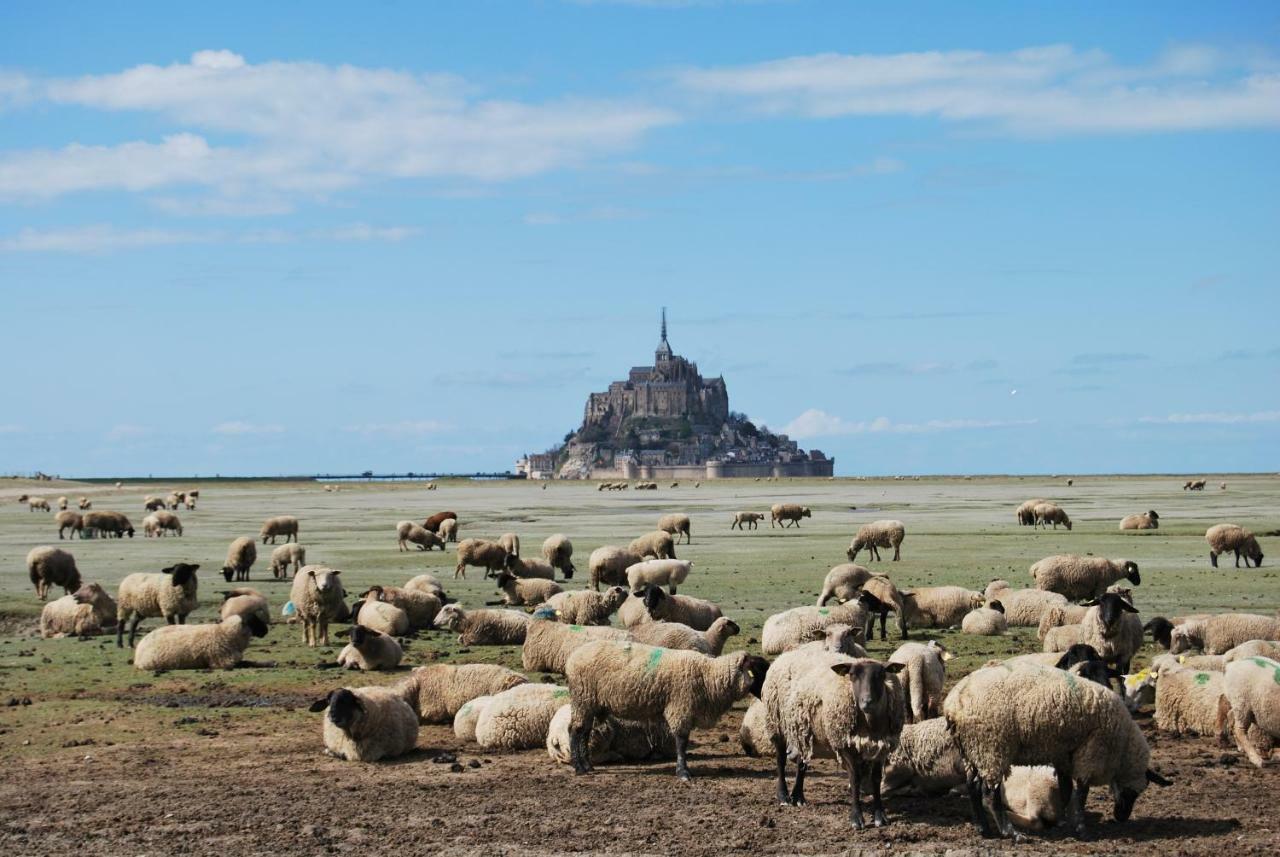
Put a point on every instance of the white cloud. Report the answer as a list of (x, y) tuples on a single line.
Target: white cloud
[(94, 239), (817, 423), (238, 427), (11, 428), (404, 428), (365, 232), (1214, 418), (1039, 90)]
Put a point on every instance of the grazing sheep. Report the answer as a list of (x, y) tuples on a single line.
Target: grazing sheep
[(793, 628), (68, 520), (522, 591), (518, 719), (557, 550), (1219, 634), (380, 616), (986, 621), (429, 584), (878, 534), (751, 519), (657, 544), (190, 502), (1187, 700), (612, 740), (150, 527), (677, 525), (637, 682), (787, 514), (62, 503), (1080, 577), (366, 724), (173, 502), (1195, 485), (84, 613), (433, 523), (109, 523), (281, 525), (658, 572), (420, 607), (245, 602), (242, 553), (1022, 607), (1044, 716), (218, 646), (408, 532), (490, 556), (548, 642), (586, 606), (843, 583), (370, 650), (484, 627), (85, 504), (510, 543), (1051, 513), (437, 693), (939, 606), (49, 566), (1111, 626), (1252, 696), (153, 504), (655, 604), (676, 635), (171, 594), (318, 597), (532, 567), (448, 530), (923, 676), (284, 556), (1026, 513), (886, 593), (609, 564), (1149, 520), (1231, 538), (167, 521)]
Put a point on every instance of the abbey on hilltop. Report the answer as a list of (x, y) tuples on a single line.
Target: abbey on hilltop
[(666, 421)]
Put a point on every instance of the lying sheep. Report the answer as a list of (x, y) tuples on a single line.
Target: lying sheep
[(658, 572), (1149, 520), (657, 544), (407, 532), (750, 519), (510, 543), (676, 635), (586, 606), (612, 740), (609, 564), (518, 719), (84, 613), (281, 525), (245, 602), (436, 693), (1022, 607), (1080, 577), (1218, 634), (530, 567), (1026, 513), (548, 642), (217, 646), (1252, 696), (1231, 538), (318, 598), (242, 553), (490, 556), (923, 676), (420, 607), (285, 556), (793, 628), (878, 534), (926, 761), (521, 591), (429, 584), (557, 550), (171, 594), (366, 724), (448, 530), (1252, 649), (484, 627), (1033, 796), (68, 520), (464, 722), (939, 606), (677, 525), (843, 583), (986, 621), (1051, 513), (1187, 701), (380, 616), (370, 650), (697, 613), (49, 566), (787, 514)]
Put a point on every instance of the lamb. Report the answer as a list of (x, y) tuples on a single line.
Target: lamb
[(1218, 634), (557, 550), (366, 724), (1026, 513), (281, 525), (370, 650), (380, 616), (85, 503), (437, 693), (408, 532), (171, 594), (49, 566), (939, 606), (112, 523), (986, 621), (519, 591), (68, 520), (677, 525), (241, 555), (490, 556), (637, 682), (548, 643), (658, 572), (1187, 700), (923, 676), (318, 597), (1111, 626), (612, 740), (1252, 696), (676, 635), (1080, 577), (787, 514), (532, 567), (84, 613), (1051, 513), (795, 627), (245, 602), (1022, 607), (168, 521), (697, 613), (433, 523), (609, 564), (484, 627), (751, 519), (1224, 538), (284, 556), (886, 593), (1045, 716), (218, 646), (447, 531), (876, 535), (510, 543), (1033, 797), (420, 607), (518, 719), (1149, 520), (657, 544), (586, 606), (843, 583)]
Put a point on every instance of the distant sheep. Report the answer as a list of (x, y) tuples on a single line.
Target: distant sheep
[(788, 514), (750, 519), (1051, 513), (108, 523), (281, 525), (490, 556), (1026, 513), (408, 532), (1232, 538), (878, 534), (68, 520), (448, 530), (241, 555), (1149, 520), (677, 525), (511, 543), (285, 557), (433, 523)]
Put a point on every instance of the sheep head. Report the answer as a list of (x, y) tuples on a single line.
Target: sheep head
[(1161, 630), (181, 573), (868, 680), (345, 708)]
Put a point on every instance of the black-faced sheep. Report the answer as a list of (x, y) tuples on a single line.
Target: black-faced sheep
[(172, 594), (1232, 538), (218, 646), (241, 555), (366, 724)]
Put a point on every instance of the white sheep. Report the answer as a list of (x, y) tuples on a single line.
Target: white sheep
[(218, 646), (1232, 538), (510, 543), (1149, 520), (86, 612), (366, 724), (490, 556), (657, 544), (1022, 607), (286, 556), (1079, 577), (586, 606), (370, 650), (548, 642), (658, 572), (68, 520), (245, 602), (242, 553), (843, 583), (436, 693), (939, 606), (1252, 696), (878, 534), (380, 616), (676, 635), (609, 564), (1051, 513), (484, 627), (1026, 513), (986, 621), (409, 532), (520, 591), (923, 675), (677, 525), (750, 519), (280, 525), (557, 550), (318, 597), (793, 628), (420, 607), (518, 719), (612, 740), (1218, 634), (448, 530), (788, 514), (655, 604), (171, 594)]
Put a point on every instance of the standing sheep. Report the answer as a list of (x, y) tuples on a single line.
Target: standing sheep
[(1079, 577), (586, 606), (241, 555), (172, 594), (367, 724), (49, 566), (751, 519), (433, 523), (609, 564), (68, 520), (793, 628), (658, 572), (85, 504), (510, 543), (923, 675), (84, 613), (843, 583), (448, 530), (218, 646), (490, 556), (1252, 696), (557, 550), (657, 544), (787, 514), (1051, 513), (318, 597), (890, 598), (1149, 520), (285, 556), (62, 503), (436, 693), (677, 525), (878, 534), (1026, 513), (1232, 538), (281, 525), (408, 532), (109, 523), (167, 521)]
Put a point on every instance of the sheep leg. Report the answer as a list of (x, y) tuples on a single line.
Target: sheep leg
[(780, 751), (797, 791), (994, 799), (855, 794), (579, 742), (1213, 559), (884, 617), (171, 620), (897, 552), (1075, 810), (682, 750), (902, 623), (1065, 786), (672, 589), (877, 804), (975, 803), (119, 632), (133, 629), (1240, 729)]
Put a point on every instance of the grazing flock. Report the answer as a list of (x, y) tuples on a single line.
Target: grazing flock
[(1025, 738)]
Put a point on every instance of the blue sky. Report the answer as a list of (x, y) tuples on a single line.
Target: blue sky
[(285, 238)]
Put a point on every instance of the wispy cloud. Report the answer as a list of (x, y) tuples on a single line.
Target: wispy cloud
[(817, 423), (11, 428), (104, 239), (403, 428), (1108, 358), (1217, 418), (238, 427)]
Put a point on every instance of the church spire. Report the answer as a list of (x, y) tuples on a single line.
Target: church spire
[(663, 354), (664, 324)]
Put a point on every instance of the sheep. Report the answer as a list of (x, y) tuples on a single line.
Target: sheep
[(433, 523), (1195, 485), (1253, 648), (151, 527), (1252, 696), (1224, 538), (1149, 520), (447, 531), (1022, 607), (510, 543), (245, 602), (86, 612), (658, 572), (1204, 663), (886, 593), (172, 594), (241, 555), (519, 591), (284, 556), (939, 606), (697, 613), (843, 583), (531, 567), (168, 521), (750, 519), (986, 621), (612, 740), (420, 607), (370, 650), (366, 724), (484, 627), (1111, 626), (1039, 715), (111, 523), (676, 635), (281, 525), (62, 503), (1051, 513), (557, 550), (173, 502), (787, 514), (753, 734), (429, 584), (638, 682), (484, 554), (797, 626), (1080, 577), (218, 646), (878, 534), (677, 525), (153, 504), (85, 504), (1187, 700), (464, 722), (926, 761), (190, 502), (409, 532), (381, 616), (318, 597), (49, 566), (586, 606), (518, 719), (1218, 634), (1026, 513), (657, 544), (923, 675), (1033, 797), (548, 643), (609, 564), (436, 693)]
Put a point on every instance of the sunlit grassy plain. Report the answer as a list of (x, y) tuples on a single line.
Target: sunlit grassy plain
[(959, 531)]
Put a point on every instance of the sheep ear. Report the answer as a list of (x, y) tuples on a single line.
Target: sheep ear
[(842, 668), (319, 705), (1062, 663), (1153, 777), (894, 667), (168, 570), (1127, 607)]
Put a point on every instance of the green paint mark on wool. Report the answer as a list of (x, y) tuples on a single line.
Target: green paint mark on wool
[(822, 611), (1072, 686), (560, 694), (1269, 665), (575, 628), (1202, 678), (654, 657)]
